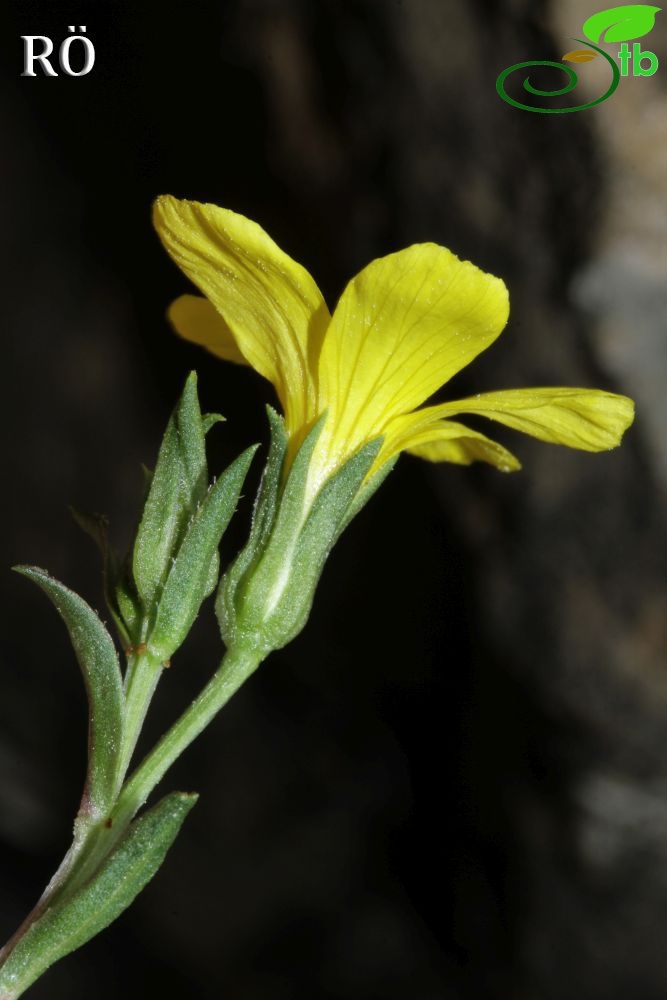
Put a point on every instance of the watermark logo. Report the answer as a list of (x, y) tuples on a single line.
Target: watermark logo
[(38, 49), (618, 24)]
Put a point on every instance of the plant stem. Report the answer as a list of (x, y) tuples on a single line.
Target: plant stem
[(94, 844), (143, 673), (237, 665)]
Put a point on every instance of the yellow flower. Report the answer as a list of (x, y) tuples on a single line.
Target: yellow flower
[(402, 328)]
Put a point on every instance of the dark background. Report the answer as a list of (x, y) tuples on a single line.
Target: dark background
[(453, 784)]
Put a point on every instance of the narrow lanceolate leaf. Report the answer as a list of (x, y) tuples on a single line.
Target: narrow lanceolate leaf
[(128, 603), (189, 581), (98, 660), (68, 925), (209, 420), (119, 592), (177, 487)]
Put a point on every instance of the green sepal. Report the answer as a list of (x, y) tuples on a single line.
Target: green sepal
[(266, 504), (323, 526), (365, 493), (177, 488), (263, 517), (98, 660), (244, 597), (333, 503), (265, 597), (291, 511), (281, 527), (68, 924), (190, 580)]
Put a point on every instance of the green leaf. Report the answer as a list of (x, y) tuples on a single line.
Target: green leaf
[(189, 581), (146, 480), (209, 420), (177, 488), (98, 660), (74, 921), (96, 526), (624, 23), (119, 592), (129, 607)]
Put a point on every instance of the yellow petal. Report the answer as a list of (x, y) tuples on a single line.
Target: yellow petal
[(195, 319), (590, 419), (404, 326), (447, 441), (270, 303)]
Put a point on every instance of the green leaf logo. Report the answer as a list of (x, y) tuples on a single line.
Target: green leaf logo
[(621, 24)]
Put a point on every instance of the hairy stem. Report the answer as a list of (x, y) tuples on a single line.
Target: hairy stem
[(94, 843)]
